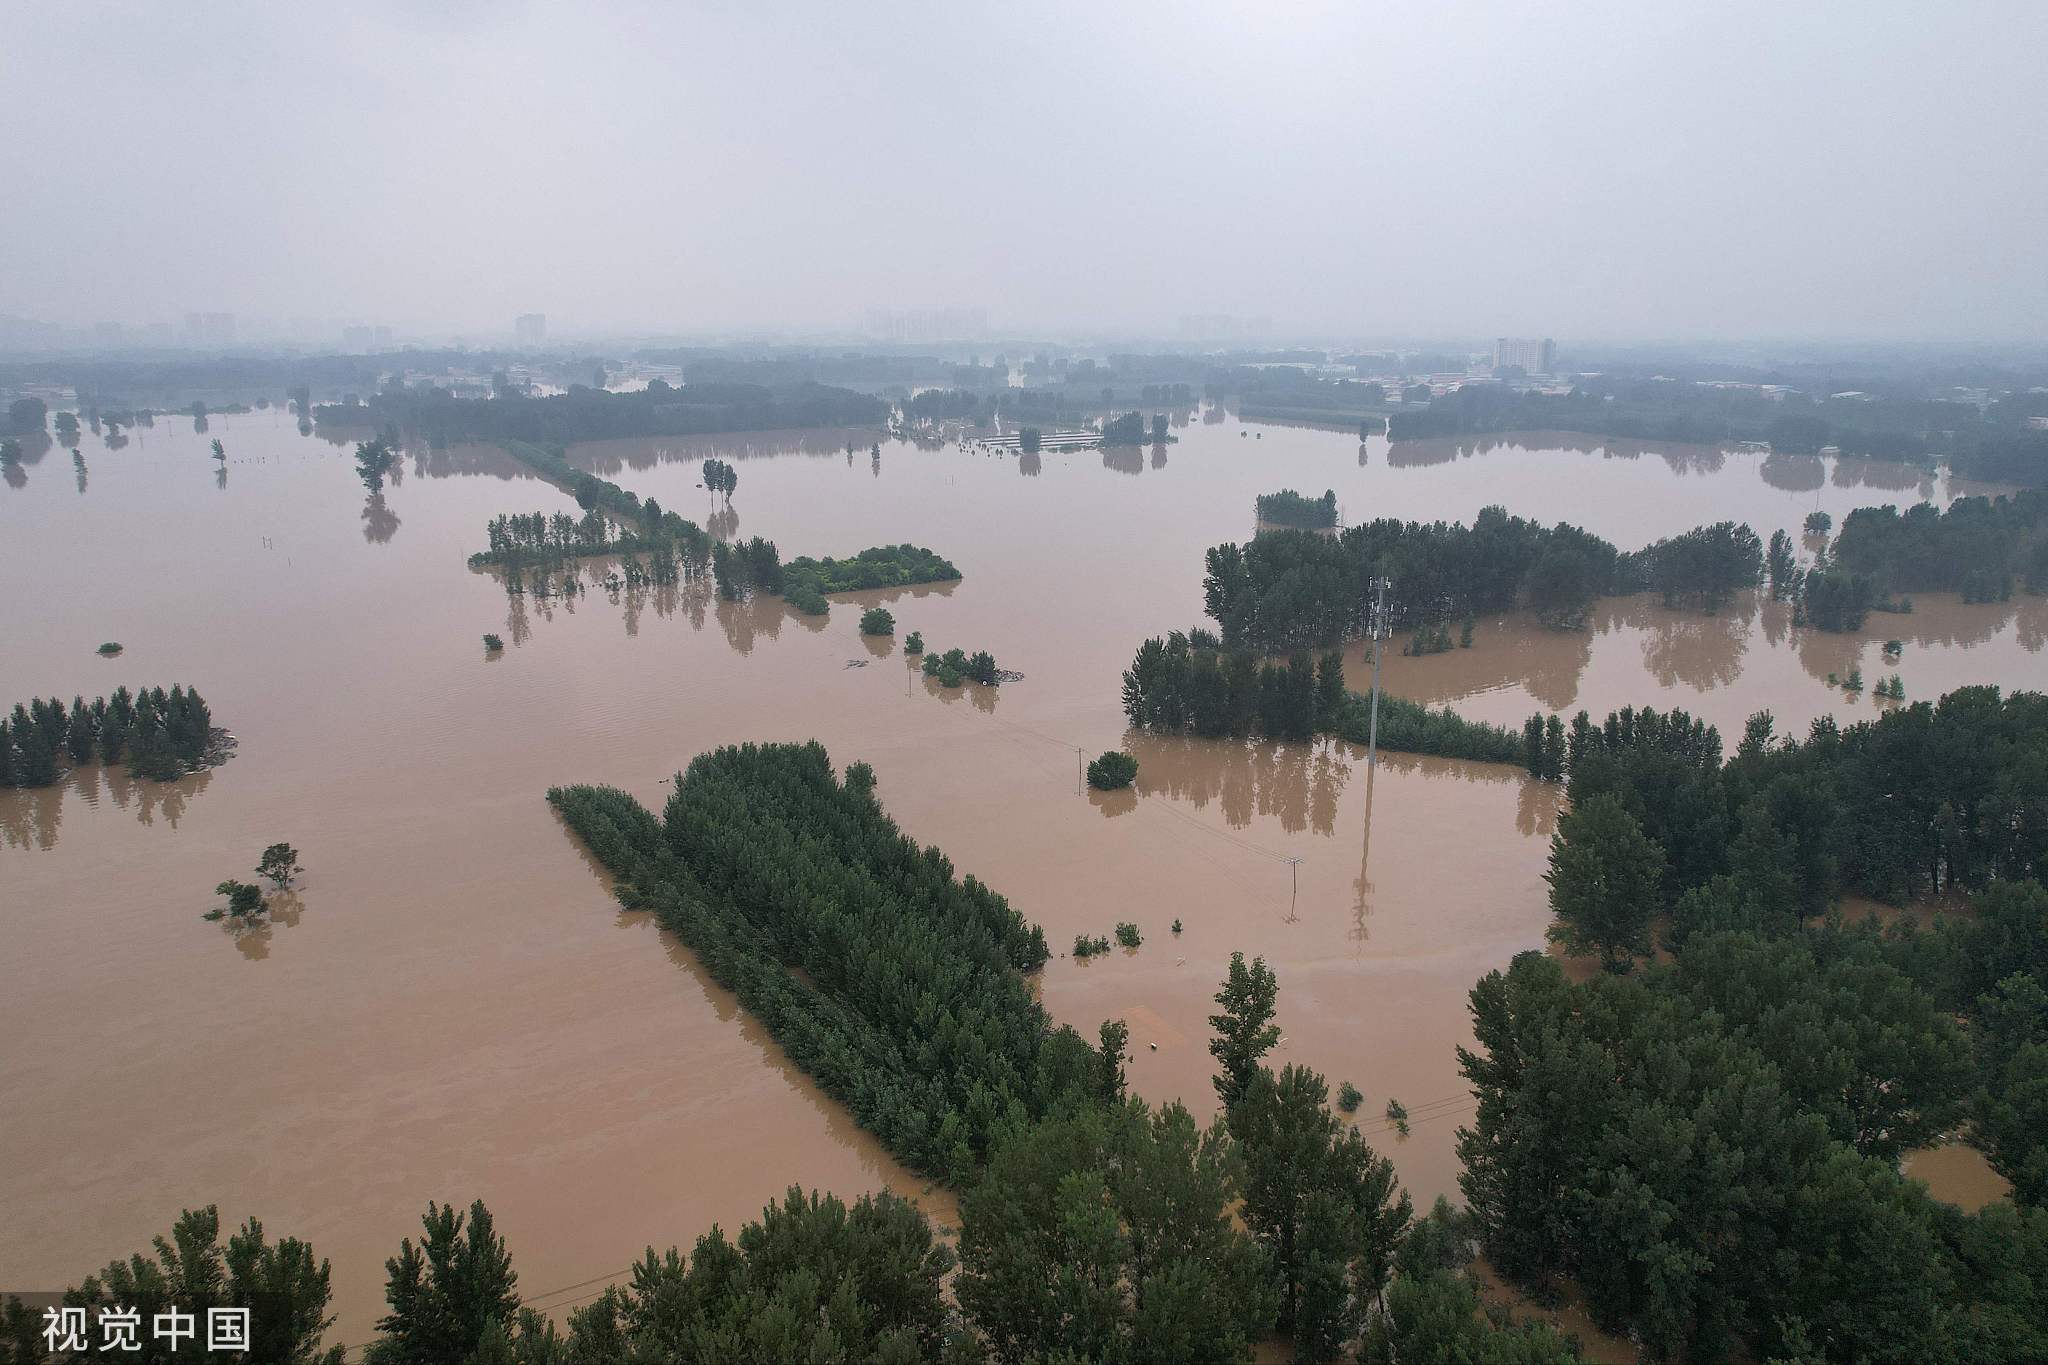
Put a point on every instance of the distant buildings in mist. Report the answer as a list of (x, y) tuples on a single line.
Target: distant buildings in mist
[(530, 329), (1531, 355), (963, 323)]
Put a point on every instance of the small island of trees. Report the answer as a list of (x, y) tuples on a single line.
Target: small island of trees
[(877, 621), (1289, 508), (160, 735), (954, 667)]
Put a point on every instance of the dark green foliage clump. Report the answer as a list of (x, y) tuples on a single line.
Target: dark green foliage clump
[(161, 735), (285, 1290), (955, 667), (1289, 508), (913, 643), (1709, 1172), (746, 567), (452, 1291), (1349, 1097), (241, 901), (883, 566), (877, 621), (1290, 589), (898, 987), (374, 460), (1978, 547), (1920, 800), (279, 864), (1127, 430), (1112, 771), (1127, 934), (811, 1280), (110, 648), (1818, 523), (492, 642), (1105, 1234), (1086, 946)]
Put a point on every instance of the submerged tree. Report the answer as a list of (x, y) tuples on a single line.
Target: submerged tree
[(1245, 1031), (280, 863), (374, 460)]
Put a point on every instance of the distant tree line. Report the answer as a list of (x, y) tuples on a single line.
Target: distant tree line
[(1291, 589), (1289, 508), (588, 414), (1993, 445), (159, 735)]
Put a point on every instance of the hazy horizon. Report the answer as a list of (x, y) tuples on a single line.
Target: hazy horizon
[(1597, 171)]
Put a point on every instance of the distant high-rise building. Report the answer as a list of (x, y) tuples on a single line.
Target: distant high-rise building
[(1534, 356), (362, 339), (531, 328)]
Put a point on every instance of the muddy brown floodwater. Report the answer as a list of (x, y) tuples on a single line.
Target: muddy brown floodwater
[(453, 1007)]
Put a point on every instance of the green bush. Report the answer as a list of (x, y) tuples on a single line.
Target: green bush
[(1113, 771), (913, 643), (877, 621), (1128, 935), (493, 643), (1349, 1098)]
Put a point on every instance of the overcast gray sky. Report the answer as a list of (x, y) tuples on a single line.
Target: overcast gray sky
[(1666, 170)]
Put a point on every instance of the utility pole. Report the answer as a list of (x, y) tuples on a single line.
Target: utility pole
[(1379, 630), (1295, 895)]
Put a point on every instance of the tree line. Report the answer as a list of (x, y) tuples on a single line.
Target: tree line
[(1991, 445), (160, 735), (590, 414), (1289, 589), (913, 1009), (1922, 800), (679, 549), (1978, 547), (1189, 682)]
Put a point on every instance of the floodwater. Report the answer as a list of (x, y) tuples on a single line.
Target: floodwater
[(453, 1007)]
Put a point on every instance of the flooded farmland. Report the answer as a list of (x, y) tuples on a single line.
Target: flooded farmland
[(454, 1007)]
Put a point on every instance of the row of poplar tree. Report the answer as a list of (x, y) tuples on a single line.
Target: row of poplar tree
[(159, 734)]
